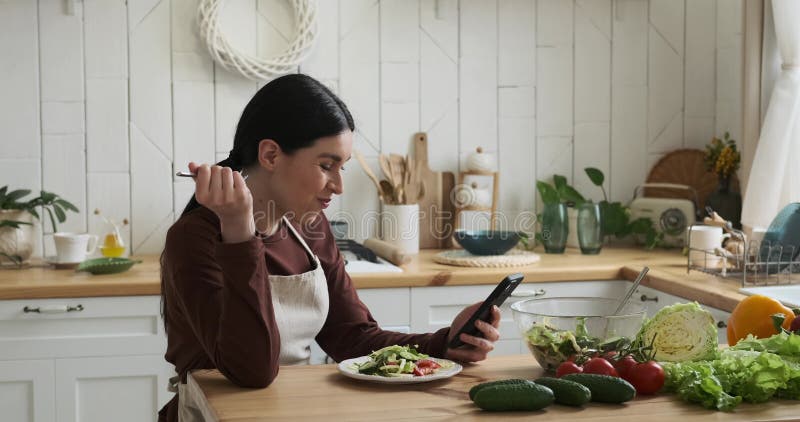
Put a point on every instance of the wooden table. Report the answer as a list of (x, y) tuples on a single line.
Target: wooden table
[(319, 392)]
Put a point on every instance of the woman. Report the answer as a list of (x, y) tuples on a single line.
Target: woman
[(251, 274)]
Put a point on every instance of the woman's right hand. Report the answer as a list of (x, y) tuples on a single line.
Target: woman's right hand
[(224, 191)]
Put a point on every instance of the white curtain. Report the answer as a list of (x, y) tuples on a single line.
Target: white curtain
[(773, 183)]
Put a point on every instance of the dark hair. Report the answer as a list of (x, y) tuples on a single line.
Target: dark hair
[(294, 111)]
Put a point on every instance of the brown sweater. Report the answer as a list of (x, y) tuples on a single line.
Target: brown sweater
[(218, 305)]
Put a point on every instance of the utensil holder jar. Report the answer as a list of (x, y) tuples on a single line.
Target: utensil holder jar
[(400, 226)]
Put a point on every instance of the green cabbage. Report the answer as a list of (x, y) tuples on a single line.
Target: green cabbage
[(681, 332)]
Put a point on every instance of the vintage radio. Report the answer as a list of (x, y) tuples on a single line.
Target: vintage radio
[(671, 216)]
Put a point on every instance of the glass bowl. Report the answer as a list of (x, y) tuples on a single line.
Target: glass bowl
[(556, 328), (486, 242)]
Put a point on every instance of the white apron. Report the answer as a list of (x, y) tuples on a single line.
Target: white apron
[(300, 304)]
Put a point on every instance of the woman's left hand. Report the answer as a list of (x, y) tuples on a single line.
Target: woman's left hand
[(476, 348)]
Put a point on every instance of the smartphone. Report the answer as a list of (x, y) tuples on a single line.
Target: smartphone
[(496, 298)]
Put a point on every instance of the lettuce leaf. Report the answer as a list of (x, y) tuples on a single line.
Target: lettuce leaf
[(737, 375), (783, 344), (696, 383)]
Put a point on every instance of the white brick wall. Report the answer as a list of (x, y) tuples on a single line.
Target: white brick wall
[(104, 105)]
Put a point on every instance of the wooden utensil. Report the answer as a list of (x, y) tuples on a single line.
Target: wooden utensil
[(387, 251), (387, 192), (383, 160), (369, 172), (436, 209), (397, 164)]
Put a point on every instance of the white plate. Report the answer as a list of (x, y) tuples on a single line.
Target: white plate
[(347, 368)]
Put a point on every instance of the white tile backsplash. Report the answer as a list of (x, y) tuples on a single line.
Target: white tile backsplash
[(119, 95)]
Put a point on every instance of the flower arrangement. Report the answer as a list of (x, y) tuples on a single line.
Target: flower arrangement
[(722, 157)]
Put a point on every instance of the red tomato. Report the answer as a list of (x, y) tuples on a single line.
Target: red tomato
[(418, 372), (647, 377), (425, 363), (624, 366), (568, 367), (599, 366)]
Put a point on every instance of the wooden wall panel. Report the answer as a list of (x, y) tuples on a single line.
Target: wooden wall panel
[(629, 91), (699, 86), (20, 135), (439, 81), (592, 92), (478, 76), (128, 92), (516, 153)]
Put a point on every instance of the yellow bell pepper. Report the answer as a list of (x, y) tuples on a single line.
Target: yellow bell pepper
[(753, 315)]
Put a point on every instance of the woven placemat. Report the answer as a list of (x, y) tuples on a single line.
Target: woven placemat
[(462, 258)]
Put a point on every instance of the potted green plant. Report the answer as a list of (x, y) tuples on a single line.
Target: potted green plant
[(17, 215), (616, 219), (561, 191)]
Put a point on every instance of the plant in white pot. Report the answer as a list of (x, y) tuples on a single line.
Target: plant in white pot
[(17, 216)]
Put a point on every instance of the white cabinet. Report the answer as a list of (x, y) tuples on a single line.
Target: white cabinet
[(390, 307), (654, 300), (26, 391), (129, 388), (85, 359)]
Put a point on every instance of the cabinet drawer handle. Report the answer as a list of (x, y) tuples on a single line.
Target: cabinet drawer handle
[(644, 298), (529, 293), (721, 324), (53, 309)]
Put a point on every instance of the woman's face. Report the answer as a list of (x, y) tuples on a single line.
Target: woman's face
[(308, 178)]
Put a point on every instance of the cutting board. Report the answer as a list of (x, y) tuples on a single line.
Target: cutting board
[(436, 208)]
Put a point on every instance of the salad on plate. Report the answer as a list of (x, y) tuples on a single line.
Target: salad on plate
[(400, 361)]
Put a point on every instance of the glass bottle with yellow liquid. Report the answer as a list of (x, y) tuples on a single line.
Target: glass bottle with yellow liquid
[(112, 246)]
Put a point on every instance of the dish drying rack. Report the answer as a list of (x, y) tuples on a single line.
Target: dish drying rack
[(757, 263)]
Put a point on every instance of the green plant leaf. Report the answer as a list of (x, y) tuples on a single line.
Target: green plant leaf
[(548, 193), (13, 223), (52, 220), (66, 204), (60, 214), (48, 197), (559, 182), (641, 225), (595, 175), (15, 195), (569, 194), (614, 218), (33, 212)]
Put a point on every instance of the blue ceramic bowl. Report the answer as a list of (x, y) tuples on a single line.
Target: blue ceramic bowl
[(486, 242)]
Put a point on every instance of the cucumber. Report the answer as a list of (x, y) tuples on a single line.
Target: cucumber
[(604, 388), (525, 396), (567, 392), (474, 390)]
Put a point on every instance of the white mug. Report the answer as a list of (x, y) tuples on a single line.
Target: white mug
[(702, 238), (73, 247)]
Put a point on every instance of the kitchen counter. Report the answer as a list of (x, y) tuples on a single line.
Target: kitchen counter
[(319, 392), (667, 273)]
